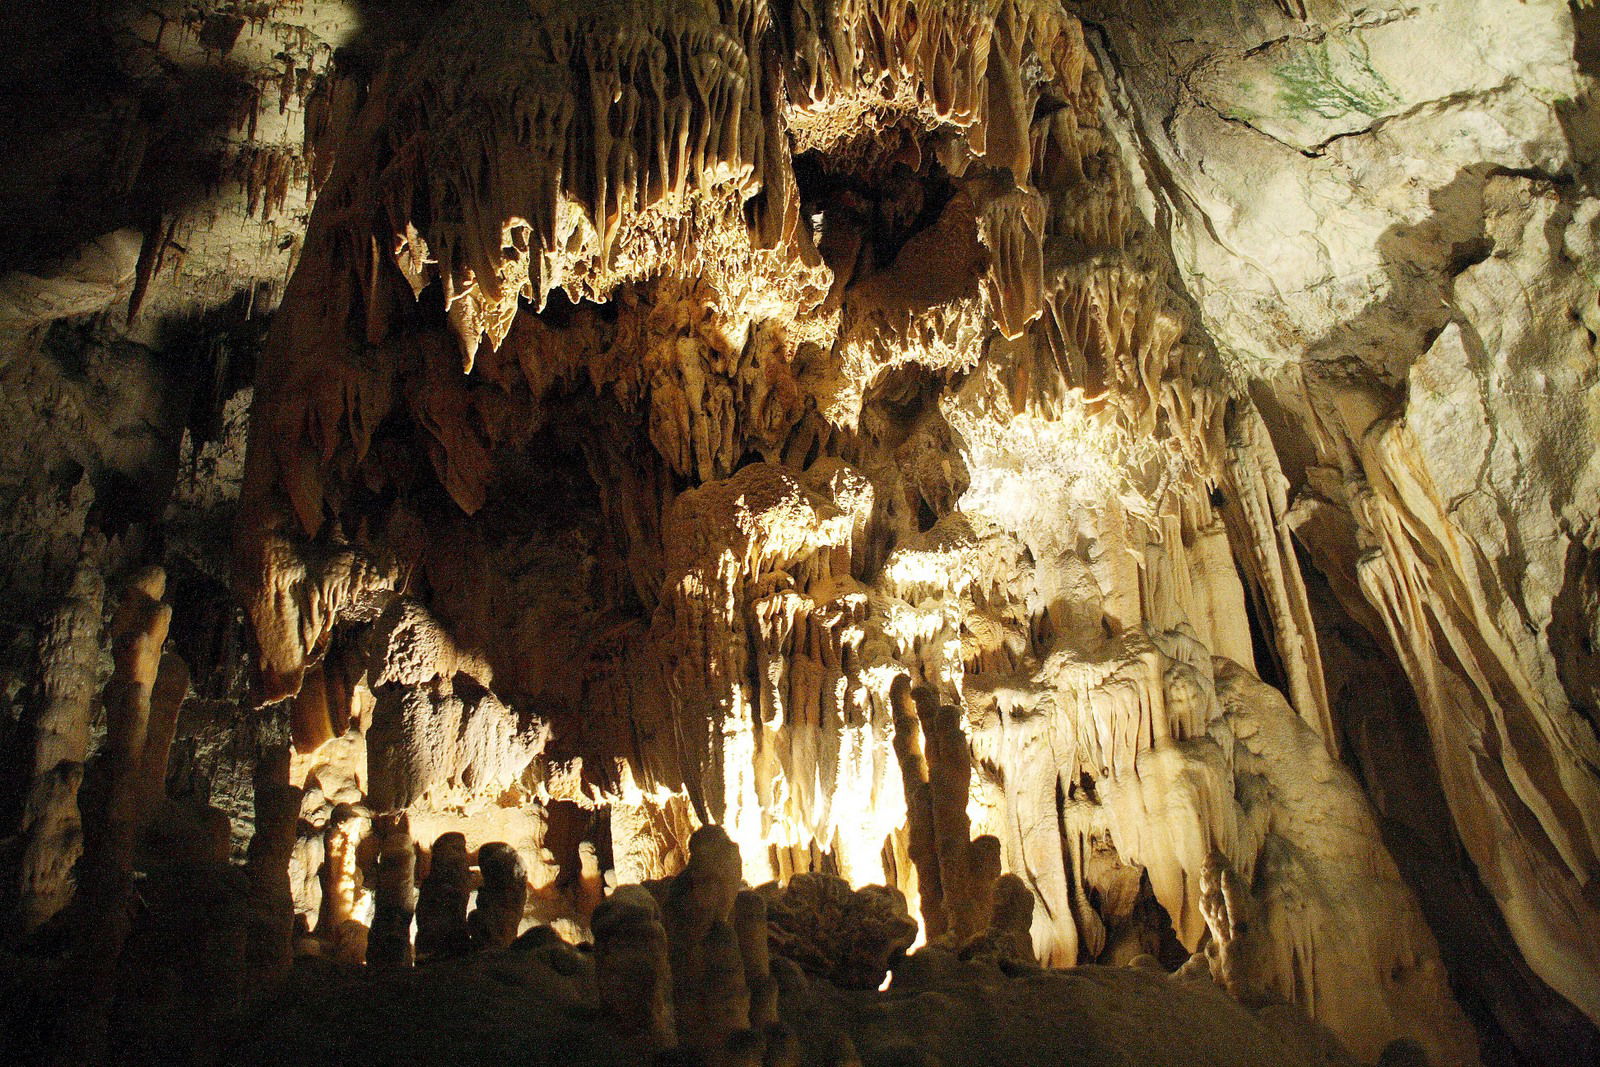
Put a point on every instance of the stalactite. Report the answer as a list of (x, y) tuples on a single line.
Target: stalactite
[(1258, 506)]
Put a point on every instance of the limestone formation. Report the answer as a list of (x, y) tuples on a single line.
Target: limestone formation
[(591, 881), (850, 937), (442, 899), (750, 925), (949, 766), (1096, 487), (141, 699), (502, 896), (51, 824), (437, 730), (1008, 936), (1008, 495), (394, 895), (710, 994), (922, 843), (272, 908), (344, 895), (632, 967)]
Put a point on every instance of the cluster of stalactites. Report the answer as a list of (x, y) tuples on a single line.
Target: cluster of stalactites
[(649, 139), (522, 150), (1007, 98), (855, 62), (761, 621), (578, 152)]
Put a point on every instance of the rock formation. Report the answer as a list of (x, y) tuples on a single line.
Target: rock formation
[(502, 896), (853, 506), (141, 701), (345, 900), (394, 895), (277, 817), (51, 824), (632, 967), (442, 899), (710, 994), (850, 937)]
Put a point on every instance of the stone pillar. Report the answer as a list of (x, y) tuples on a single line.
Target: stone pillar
[(51, 827), (442, 903), (708, 980), (141, 701), (270, 946), (750, 924), (502, 897), (395, 903), (342, 884), (632, 969)]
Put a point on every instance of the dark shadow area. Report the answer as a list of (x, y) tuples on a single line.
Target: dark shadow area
[(1574, 631), (1586, 34), (104, 131)]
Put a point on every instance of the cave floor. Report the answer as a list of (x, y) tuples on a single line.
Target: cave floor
[(522, 1006)]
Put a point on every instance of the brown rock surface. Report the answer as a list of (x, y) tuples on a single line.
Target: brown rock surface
[(1055, 484)]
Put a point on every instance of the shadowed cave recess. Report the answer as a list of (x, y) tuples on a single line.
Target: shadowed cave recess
[(800, 532)]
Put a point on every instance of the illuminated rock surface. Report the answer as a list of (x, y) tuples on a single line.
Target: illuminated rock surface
[(788, 496)]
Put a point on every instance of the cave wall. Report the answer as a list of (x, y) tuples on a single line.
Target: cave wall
[(1391, 252)]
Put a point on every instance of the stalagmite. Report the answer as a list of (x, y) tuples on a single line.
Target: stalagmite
[(442, 899), (949, 784), (502, 896), (750, 924), (783, 1046), (394, 893), (712, 1000), (591, 882), (1013, 915), (270, 950), (51, 824), (922, 847), (141, 699), (340, 924), (632, 967)]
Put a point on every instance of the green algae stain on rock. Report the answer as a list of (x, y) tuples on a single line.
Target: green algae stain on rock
[(1333, 79)]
